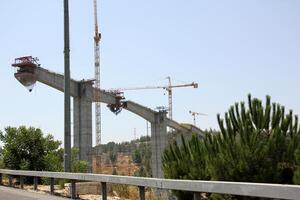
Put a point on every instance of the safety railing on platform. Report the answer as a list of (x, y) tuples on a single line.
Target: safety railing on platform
[(276, 191)]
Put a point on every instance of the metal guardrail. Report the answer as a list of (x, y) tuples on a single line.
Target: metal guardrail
[(277, 191)]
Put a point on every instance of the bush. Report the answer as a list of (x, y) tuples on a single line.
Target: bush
[(78, 166)]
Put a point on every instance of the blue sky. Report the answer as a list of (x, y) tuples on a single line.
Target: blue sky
[(231, 48)]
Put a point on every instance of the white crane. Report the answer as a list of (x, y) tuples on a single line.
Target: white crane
[(97, 39), (194, 115), (168, 88)]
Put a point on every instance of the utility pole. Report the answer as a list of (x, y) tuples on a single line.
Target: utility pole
[(67, 113)]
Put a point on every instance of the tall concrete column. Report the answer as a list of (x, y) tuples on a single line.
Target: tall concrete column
[(158, 143), (82, 122)]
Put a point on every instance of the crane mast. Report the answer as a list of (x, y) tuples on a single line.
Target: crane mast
[(97, 38), (169, 89)]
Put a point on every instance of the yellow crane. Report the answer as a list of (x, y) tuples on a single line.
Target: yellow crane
[(168, 88), (97, 39)]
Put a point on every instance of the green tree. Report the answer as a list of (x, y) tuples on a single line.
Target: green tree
[(27, 148), (296, 177), (113, 156), (76, 164), (54, 160), (145, 149), (136, 156), (187, 161), (257, 143), (1, 159)]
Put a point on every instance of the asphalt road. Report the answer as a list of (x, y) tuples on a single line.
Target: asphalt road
[(7, 193)]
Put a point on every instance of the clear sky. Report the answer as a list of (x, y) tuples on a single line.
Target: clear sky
[(231, 48)]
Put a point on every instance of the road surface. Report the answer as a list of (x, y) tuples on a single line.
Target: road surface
[(7, 193)]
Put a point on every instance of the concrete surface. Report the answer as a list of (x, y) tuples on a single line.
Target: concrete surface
[(85, 188), (158, 143), (83, 120), (7, 193)]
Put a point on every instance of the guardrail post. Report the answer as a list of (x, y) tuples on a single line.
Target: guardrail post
[(51, 185), (104, 191), (196, 195), (73, 189), (10, 180), (1, 182), (21, 182), (142, 192), (35, 183)]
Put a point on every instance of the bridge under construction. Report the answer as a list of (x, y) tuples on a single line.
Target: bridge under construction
[(84, 93), (87, 92)]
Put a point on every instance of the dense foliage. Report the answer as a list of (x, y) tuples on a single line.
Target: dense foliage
[(259, 144), (256, 144), (27, 149), (78, 166), (1, 159)]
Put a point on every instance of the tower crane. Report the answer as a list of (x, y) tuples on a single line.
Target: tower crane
[(194, 115), (168, 88), (97, 39)]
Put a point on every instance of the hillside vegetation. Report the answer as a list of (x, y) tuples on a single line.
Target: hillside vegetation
[(126, 158)]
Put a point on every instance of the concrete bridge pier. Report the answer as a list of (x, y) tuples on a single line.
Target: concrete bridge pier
[(82, 122), (158, 142)]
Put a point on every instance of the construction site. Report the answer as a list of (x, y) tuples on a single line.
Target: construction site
[(88, 92), (149, 100)]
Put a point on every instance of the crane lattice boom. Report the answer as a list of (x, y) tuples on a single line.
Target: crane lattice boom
[(97, 38), (195, 85), (168, 88)]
